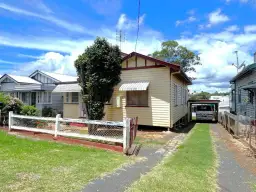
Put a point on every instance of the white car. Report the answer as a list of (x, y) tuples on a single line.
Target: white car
[(205, 113)]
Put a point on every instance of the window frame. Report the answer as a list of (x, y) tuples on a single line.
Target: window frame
[(250, 97), (72, 97), (41, 97), (175, 90), (239, 96), (137, 105)]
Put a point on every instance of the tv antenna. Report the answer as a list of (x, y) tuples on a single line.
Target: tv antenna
[(237, 65), (120, 38)]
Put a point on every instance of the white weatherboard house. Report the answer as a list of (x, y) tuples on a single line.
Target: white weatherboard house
[(36, 89)]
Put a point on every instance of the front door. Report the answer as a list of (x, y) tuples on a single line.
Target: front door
[(33, 98)]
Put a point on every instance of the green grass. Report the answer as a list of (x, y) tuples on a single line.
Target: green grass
[(30, 165), (191, 169), (149, 142)]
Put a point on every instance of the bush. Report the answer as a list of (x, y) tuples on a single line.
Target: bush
[(4, 99), (48, 112), (29, 110), (12, 104)]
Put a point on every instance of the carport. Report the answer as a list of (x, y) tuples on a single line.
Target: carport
[(202, 102)]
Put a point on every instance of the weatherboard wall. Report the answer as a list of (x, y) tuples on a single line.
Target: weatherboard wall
[(157, 113)]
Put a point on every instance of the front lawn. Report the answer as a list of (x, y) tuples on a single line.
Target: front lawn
[(191, 169), (30, 165)]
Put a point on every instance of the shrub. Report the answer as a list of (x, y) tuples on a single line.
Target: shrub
[(48, 112), (4, 99), (13, 104), (29, 110)]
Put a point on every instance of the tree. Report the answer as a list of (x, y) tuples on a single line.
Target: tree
[(202, 95), (98, 69), (174, 53)]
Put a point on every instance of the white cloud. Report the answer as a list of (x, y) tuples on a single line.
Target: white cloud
[(217, 17), (51, 19), (128, 24), (250, 28), (188, 20), (216, 51), (232, 28)]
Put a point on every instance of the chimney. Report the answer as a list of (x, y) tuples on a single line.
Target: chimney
[(254, 57)]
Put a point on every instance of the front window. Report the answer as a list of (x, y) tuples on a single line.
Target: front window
[(74, 97), (239, 96), (175, 95), (67, 97), (250, 96), (44, 97), (137, 98)]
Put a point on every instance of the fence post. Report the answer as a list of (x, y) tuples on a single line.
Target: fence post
[(57, 125), (237, 125), (126, 134), (10, 120)]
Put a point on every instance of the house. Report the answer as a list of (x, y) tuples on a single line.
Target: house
[(154, 90), (243, 90), (224, 102), (36, 89)]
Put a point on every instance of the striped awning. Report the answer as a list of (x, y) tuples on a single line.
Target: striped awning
[(67, 88), (134, 86)]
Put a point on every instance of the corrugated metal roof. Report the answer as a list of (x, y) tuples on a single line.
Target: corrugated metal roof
[(134, 86), (67, 88), (24, 79), (61, 77), (244, 71)]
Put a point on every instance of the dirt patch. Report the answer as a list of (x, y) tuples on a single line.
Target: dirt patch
[(242, 153)]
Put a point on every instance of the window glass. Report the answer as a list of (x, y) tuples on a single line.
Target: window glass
[(137, 98), (67, 97), (49, 97), (74, 97)]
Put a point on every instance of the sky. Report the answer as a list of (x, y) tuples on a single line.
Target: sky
[(49, 35)]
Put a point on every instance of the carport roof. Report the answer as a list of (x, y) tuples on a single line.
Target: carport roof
[(204, 101)]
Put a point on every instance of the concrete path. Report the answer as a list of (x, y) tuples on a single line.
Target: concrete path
[(123, 178), (232, 177)]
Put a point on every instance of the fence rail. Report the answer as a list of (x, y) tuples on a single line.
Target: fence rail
[(106, 131), (243, 127)]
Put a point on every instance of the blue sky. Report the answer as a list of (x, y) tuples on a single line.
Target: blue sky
[(49, 35)]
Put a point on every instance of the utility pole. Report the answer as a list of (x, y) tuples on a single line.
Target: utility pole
[(120, 37), (237, 65)]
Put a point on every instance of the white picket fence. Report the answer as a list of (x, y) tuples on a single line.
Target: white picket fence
[(106, 131)]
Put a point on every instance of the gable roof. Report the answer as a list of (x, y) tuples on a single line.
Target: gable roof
[(247, 69), (20, 79), (56, 76), (175, 67)]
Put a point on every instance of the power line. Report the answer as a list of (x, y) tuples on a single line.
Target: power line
[(138, 29)]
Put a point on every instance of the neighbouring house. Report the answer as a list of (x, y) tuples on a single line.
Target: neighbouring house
[(224, 102), (36, 89), (243, 90), (154, 90)]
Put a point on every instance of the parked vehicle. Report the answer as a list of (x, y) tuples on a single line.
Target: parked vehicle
[(205, 113)]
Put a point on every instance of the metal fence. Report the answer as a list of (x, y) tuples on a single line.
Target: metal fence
[(99, 131), (243, 127), (3, 119)]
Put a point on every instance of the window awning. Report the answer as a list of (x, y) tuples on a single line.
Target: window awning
[(134, 86), (67, 88), (246, 87)]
